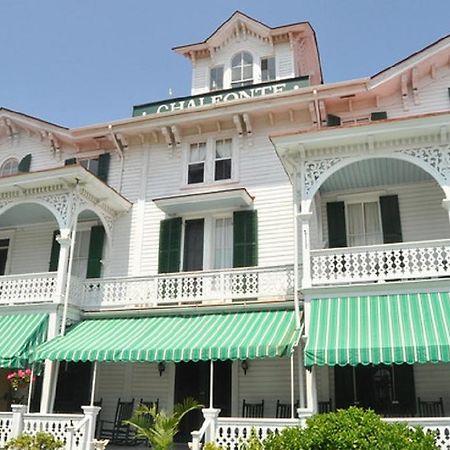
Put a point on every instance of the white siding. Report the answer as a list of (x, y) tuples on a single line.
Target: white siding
[(200, 77), (432, 382), (284, 61)]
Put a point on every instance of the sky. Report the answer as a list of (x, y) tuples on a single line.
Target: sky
[(80, 62)]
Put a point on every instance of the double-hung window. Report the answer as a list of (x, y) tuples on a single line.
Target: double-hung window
[(242, 69), (268, 69), (363, 223), (223, 243), (210, 161), (196, 164)]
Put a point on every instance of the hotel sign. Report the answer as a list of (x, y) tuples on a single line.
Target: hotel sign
[(218, 97)]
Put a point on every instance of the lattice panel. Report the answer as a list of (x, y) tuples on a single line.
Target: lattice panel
[(232, 436), (5, 429), (380, 262), (27, 288), (442, 436)]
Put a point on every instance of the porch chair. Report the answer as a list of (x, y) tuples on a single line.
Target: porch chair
[(116, 431), (253, 409), (150, 403), (284, 410), (431, 408), (325, 407)]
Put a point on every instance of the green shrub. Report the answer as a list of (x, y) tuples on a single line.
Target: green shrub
[(39, 441), (351, 429)]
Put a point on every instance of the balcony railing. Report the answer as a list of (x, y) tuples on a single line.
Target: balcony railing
[(27, 288), (406, 260), (187, 288)]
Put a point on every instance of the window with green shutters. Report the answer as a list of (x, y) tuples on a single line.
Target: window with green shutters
[(169, 245), (245, 238), (369, 222)]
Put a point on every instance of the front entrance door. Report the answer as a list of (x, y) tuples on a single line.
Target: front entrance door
[(192, 380), (388, 390), (73, 387)]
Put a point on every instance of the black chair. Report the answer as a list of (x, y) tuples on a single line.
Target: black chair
[(253, 409), (284, 410), (150, 403), (325, 407), (431, 408), (116, 431), (98, 403)]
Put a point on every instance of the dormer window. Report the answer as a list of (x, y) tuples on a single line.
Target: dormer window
[(268, 69), (9, 167), (242, 69), (216, 78)]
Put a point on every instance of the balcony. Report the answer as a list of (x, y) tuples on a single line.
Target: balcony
[(188, 288), (27, 288), (375, 263)]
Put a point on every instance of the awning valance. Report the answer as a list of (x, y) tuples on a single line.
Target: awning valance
[(379, 329), (237, 335), (19, 336)]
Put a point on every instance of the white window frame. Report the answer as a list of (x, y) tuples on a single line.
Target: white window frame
[(217, 66), (208, 236), (361, 199), (246, 81), (210, 159), (8, 234), (9, 159), (275, 68)]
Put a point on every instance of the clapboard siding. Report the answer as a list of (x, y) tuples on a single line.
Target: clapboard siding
[(268, 380), (128, 381), (284, 61), (422, 216)]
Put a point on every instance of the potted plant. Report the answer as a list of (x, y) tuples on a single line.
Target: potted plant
[(19, 382)]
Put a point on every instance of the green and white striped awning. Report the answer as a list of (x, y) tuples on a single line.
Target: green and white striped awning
[(19, 336), (238, 335), (379, 329)]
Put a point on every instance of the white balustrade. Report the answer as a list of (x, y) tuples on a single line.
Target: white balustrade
[(201, 287), (438, 425), (232, 431), (61, 426), (27, 288), (6, 421), (406, 260)]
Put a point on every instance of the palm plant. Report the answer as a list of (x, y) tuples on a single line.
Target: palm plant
[(160, 428)]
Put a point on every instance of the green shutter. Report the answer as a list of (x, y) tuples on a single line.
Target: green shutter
[(70, 161), (54, 254), (169, 245), (333, 121), (405, 392), (25, 163), (337, 234), (103, 166), (390, 219), (245, 239), (379, 115), (94, 265)]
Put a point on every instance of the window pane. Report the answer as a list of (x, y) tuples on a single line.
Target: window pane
[(223, 148), (198, 152), (236, 61), (355, 224), (216, 78), (9, 167), (247, 58), (81, 253), (247, 72), (222, 169), (236, 74), (195, 173), (223, 243), (372, 223), (268, 69), (3, 259)]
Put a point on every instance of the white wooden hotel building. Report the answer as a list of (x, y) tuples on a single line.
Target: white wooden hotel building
[(293, 232)]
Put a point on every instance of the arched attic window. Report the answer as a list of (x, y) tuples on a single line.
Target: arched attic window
[(242, 69), (9, 167)]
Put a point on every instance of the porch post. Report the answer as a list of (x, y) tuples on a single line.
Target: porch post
[(311, 390), (305, 218), (211, 384), (94, 380), (91, 412), (17, 419), (301, 376), (446, 205), (292, 387)]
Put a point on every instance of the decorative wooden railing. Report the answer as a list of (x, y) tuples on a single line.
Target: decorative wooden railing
[(76, 431), (186, 288), (406, 260), (27, 288)]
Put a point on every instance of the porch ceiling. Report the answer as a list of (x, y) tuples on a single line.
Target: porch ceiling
[(374, 172)]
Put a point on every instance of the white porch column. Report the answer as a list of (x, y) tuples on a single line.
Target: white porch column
[(305, 218), (51, 367), (446, 206), (311, 390)]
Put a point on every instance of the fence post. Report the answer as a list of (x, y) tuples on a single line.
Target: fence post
[(211, 415), (91, 412), (17, 419), (303, 414)]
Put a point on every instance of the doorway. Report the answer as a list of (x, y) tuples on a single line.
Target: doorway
[(192, 380)]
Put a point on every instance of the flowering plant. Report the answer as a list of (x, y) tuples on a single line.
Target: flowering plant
[(19, 379)]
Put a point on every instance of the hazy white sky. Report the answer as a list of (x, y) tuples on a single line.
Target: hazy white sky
[(77, 62)]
